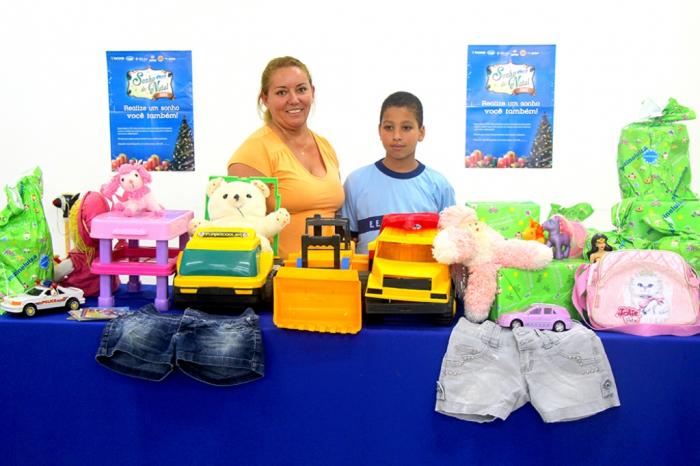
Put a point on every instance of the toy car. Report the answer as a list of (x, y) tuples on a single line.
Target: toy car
[(43, 296), (541, 316), (223, 266), (404, 276)]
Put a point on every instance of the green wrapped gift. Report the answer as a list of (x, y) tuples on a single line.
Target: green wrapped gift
[(652, 156), (686, 245), (517, 289), (575, 213), (672, 218), (508, 218), (641, 222), (629, 216)]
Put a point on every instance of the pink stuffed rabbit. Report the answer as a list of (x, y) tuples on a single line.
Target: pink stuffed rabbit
[(464, 239), (137, 197)]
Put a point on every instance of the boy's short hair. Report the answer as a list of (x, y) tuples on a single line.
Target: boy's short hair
[(404, 99)]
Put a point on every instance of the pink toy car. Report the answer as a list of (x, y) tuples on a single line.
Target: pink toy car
[(538, 315)]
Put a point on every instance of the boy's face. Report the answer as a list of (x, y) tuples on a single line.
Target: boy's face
[(400, 133)]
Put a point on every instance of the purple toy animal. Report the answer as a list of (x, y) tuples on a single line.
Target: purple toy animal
[(566, 238)]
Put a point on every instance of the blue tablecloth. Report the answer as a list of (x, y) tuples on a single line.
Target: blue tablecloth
[(365, 399)]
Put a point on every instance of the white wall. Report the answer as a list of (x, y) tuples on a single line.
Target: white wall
[(610, 55)]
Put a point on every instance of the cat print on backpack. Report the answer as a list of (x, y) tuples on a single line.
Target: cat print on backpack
[(645, 293), (640, 291)]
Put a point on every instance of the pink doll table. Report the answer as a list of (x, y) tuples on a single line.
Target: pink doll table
[(136, 260)]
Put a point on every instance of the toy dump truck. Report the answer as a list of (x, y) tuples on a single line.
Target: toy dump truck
[(224, 266), (404, 277), (320, 288)]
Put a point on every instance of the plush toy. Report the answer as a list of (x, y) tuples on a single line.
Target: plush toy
[(242, 204), (136, 196), (464, 240), (74, 270)]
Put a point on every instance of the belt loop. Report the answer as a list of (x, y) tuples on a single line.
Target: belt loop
[(548, 341), (494, 335)]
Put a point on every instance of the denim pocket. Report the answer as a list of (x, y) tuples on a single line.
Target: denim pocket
[(469, 354), (580, 355)]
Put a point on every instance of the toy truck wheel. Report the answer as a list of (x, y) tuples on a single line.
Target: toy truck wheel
[(29, 310), (363, 275), (73, 304), (268, 290), (559, 326), (516, 323), (450, 310)]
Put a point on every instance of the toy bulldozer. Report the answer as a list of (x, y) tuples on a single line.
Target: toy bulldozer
[(320, 288)]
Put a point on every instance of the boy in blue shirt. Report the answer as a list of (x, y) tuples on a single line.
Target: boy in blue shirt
[(398, 183)]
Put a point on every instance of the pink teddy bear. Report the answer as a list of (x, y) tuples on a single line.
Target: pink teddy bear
[(465, 240), (137, 197)]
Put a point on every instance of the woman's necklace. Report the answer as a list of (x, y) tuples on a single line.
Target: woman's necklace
[(299, 149)]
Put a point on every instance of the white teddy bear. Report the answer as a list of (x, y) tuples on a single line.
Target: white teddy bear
[(242, 204)]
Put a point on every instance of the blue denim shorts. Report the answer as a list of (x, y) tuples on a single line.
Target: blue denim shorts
[(218, 350)]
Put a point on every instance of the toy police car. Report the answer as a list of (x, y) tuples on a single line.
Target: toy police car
[(43, 296)]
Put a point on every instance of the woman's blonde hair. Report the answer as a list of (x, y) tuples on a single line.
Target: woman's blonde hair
[(274, 65)]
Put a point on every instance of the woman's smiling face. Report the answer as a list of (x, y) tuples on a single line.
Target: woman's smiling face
[(289, 97)]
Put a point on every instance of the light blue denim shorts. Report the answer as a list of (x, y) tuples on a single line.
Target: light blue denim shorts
[(218, 350), (489, 371)]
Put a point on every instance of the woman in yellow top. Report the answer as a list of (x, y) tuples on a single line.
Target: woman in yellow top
[(303, 162)]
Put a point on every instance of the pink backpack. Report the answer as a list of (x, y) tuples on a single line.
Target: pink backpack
[(640, 291)]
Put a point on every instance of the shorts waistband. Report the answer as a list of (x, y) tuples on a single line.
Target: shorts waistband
[(530, 338), (248, 315), (489, 332)]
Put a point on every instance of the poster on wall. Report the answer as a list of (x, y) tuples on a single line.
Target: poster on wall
[(150, 109), (510, 106)]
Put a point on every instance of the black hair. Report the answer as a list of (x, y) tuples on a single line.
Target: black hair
[(404, 99), (594, 248)]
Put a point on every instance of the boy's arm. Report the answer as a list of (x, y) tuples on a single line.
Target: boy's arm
[(448, 196)]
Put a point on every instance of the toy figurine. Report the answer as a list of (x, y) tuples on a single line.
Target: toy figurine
[(599, 246), (137, 196), (534, 232), (566, 238)]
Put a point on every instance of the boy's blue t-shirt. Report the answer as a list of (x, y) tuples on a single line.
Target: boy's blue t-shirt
[(374, 191)]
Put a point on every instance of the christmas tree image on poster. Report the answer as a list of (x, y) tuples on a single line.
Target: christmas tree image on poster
[(541, 151), (183, 155)]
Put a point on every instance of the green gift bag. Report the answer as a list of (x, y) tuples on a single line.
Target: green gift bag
[(25, 239), (653, 161)]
